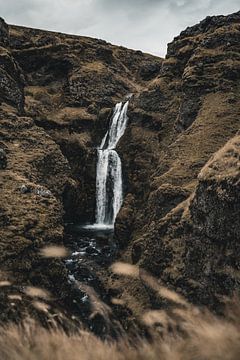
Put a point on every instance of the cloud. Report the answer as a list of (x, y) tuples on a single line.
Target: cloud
[(140, 24)]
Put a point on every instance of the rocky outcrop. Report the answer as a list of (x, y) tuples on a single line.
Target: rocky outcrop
[(34, 174), (192, 109), (196, 247), (182, 231), (11, 77), (207, 58)]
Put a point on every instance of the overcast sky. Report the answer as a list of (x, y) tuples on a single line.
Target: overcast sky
[(147, 25)]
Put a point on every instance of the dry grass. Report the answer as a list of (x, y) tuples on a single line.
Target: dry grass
[(225, 164), (217, 122), (183, 332), (97, 66), (205, 337), (54, 252)]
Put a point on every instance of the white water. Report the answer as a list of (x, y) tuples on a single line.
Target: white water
[(109, 190)]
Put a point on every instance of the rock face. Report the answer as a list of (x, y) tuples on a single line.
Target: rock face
[(195, 247), (194, 103), (182, 232), (180, 217)]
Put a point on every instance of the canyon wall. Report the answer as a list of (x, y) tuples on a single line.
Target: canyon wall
[(180, 155), (184, 228), (57, 93)]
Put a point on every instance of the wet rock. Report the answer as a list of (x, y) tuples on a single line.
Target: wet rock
[(25, 189), (42, 192)]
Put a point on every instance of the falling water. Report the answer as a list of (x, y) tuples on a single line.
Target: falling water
[(109, 191)]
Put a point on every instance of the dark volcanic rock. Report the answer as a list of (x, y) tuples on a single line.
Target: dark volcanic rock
[(210, 23), (4, 33), (11, 90), (149, 71), (11, 77), (215, 207), (187, 112)]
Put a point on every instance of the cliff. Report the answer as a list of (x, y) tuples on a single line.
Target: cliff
[(185, 232), (56, 97), (180, 155)]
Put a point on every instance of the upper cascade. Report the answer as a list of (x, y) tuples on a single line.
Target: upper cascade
[(117, 127)]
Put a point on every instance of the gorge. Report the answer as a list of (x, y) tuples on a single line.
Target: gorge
[(175, 144)]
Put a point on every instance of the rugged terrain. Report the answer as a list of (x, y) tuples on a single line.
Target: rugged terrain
[(185, 232), (57, 94), (180, 155)]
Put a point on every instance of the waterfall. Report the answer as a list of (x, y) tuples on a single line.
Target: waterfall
[(109, 190)]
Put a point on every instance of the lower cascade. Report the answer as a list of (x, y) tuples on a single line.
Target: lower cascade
[(109, 189)]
